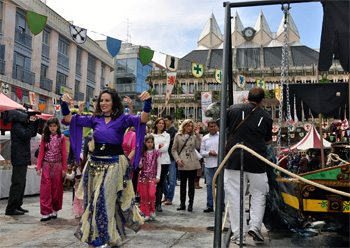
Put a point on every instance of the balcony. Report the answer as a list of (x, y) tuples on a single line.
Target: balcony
[(63, 60), (79, 96), (23, 75), (2, 66), (23, 38), (91, 75), (45, 50), (46, 84)]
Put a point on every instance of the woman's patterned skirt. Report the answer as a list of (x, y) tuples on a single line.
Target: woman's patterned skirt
[(108, 194)]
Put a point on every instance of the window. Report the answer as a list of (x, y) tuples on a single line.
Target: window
[(21, 22), (156, 88), (91, 64), (43, 71), (184, 87), (25, 96), (199, 86), (61, 80), (191, 88), (42, 99), (102, 69), (63, 47), (89, 93), (46, 36)]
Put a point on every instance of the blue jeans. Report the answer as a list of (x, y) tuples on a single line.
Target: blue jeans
[(169, 190), (209, 175)]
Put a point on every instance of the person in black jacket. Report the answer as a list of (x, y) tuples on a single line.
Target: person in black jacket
[(21, 134)]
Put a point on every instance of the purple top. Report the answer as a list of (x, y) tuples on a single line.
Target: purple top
[(112, 132)]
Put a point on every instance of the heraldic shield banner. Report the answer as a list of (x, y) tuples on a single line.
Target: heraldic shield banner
[(197, 70), (172, 63), (36, 22), (78, 34)]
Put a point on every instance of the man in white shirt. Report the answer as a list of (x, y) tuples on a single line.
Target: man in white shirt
[(209, 150)]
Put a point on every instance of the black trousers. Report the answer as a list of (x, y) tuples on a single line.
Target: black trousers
[(135, 178), (187, 175), (18, 184), (160, 185)]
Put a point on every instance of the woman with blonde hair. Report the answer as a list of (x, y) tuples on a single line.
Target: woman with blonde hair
[(183, 151)]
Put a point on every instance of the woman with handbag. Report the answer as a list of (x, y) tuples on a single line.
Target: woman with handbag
[(183, 151)]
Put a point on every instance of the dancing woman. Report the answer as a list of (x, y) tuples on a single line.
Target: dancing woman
[(106, 185)]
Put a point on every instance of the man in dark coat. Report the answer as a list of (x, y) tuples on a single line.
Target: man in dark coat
[(21, 134), (255, 132)]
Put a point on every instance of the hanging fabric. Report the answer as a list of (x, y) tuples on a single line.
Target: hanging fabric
[(197, 70), (171, 79), (41, 107), (79, 35), (145, 55), (171, 63), (113, 46), (240, 81), (19, 93), (36, 22), (218, 76)]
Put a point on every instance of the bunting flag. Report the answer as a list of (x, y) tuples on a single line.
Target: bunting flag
[(57, 108), (292, 135), (197, 70), (307, 127), (79, 35), (260, 83), (325, 125), (275, 128), (301, 135), (274, 138), (218, 76), (36, 22), (278, 92), (171, 78), (113, 46), (145, 55), (240, 81), (32, 98), (41, 107), (344, 124), (5, 88), (19, 93), (171, 63), (54, 100)]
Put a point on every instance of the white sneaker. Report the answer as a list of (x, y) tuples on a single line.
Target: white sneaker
[(256, 234), (235, 239), (153, 216), (147, 218)]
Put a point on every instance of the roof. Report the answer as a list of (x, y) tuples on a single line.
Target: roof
[(311, 140), (303, 55), (211, 27), (261, 24), (197, 56), (236, 24), (292, 26)]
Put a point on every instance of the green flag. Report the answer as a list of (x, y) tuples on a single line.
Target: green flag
[(36, 22), (145, 55)]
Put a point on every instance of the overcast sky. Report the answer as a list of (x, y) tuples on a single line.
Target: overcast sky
[(173, 26)]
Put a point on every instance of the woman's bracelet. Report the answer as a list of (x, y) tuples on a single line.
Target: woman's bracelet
[(64, 107), (148, 105)]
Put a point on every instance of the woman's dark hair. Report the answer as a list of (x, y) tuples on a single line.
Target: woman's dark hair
[(46, 132), (144, 148), (256, 94), (117, 107), (155, 125)]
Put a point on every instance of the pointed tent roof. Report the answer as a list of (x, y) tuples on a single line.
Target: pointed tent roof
[(236, 23), (211, 28), (292, 26), (311, 140), (261, 24)]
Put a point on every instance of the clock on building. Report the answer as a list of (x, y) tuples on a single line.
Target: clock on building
[(248, 33)]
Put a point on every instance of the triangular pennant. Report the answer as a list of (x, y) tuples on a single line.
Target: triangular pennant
[(19, 93), (278, 92), (79, 35), (172, 63), (36, 22), (145, 55), (32, 98), (41, 107), (218, 76), (240, 81), (113, 46), (197, 70)]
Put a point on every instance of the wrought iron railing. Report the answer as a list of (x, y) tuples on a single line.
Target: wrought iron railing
[(23, 38), (46, 83), (23, 75), (91, 75)]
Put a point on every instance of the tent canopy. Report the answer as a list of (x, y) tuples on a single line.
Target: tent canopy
[(310, 141)]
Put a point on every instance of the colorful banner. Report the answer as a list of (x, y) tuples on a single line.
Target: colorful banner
[(145, 55), (240, 97), (57, 108), (278, 92), (275, 128), (113, 46), (260, 83), (171, 79), (344, 124), (36, 22), (197, 70), (206, 100), (218, 76), (307, 127), (171, 63), (32, 98), (274, 138), (240, 81), (301, 135), (41, 107), (5, 88), (19, 93), (325, 125), (79, 35)]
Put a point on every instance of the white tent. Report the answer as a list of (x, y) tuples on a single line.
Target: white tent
[(311, 140)]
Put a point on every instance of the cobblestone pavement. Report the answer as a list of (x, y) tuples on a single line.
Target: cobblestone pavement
[(180, 229)]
